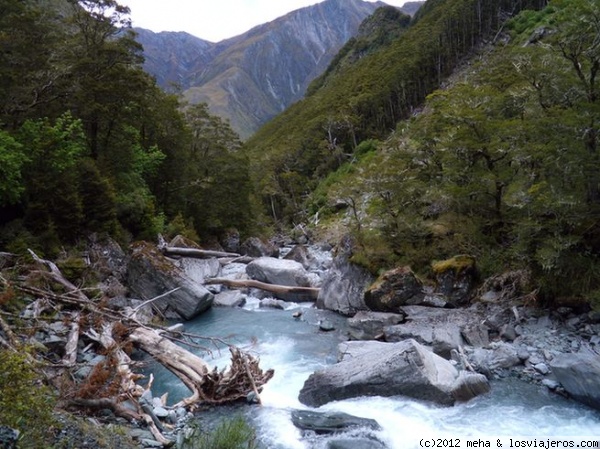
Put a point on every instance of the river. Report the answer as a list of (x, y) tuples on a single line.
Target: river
[(295, 348)]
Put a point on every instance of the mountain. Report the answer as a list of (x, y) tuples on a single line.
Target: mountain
[(251, 78), (170, 56)]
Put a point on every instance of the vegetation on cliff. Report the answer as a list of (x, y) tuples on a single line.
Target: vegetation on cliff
[(500, 162), (89, 143)]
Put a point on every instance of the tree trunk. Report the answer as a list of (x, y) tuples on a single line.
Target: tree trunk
[(213, 387), (309, 292), (196, 253)]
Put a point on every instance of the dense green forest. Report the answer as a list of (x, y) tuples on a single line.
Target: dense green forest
[(470, 129), (89, 143), (466, 135)]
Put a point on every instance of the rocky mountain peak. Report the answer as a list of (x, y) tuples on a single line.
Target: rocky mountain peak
[(250, 78)]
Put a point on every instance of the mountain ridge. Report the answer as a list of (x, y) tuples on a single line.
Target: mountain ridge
[(269, 66)]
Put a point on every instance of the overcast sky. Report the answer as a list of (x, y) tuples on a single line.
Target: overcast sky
[(212, 20)]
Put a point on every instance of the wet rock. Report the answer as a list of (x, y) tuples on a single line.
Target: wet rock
[(330, 422), (278, 271), (344, 286), (355, 443), (232, 298), (272, 303), (369, 325), (326, 326), (151, 274), (579, 374), (469, 385), (256, 247), (406, 368), (394, 288)]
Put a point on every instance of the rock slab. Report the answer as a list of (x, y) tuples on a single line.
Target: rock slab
[(406, 368), (330, 422), (579, 374), (151, 274)]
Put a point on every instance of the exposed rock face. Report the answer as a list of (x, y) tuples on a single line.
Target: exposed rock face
[(369, 325), (250, 78), (395, 288), (388, 369), (151, 274), (579, 374), (344, 286), (171, 56), (278, 271)]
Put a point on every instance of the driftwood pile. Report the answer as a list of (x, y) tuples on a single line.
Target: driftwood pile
[(114, 383)]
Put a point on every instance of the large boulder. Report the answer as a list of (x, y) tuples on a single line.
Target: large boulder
[(256, 247), (344, 286), (107, 257), (151, 274), (394, 288), (498, 357), (390, 369), (456, 278), (278, 271), (579, 374), (198, 270)]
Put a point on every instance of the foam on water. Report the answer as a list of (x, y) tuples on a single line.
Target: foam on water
[(295, 349)]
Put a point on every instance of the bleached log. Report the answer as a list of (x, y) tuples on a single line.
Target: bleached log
[(70, 357), (127, 377), (56, 275), (206, 385), (309, 292), (241, 259), (195, 253), (189, 368)]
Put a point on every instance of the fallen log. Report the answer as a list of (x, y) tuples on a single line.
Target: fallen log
[(309, 293), (195, 253), (206, 385), (70, 357)]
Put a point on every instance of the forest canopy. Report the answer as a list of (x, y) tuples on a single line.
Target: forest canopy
[(89, 143)]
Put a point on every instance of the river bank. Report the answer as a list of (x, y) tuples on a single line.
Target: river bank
[(513, 344)]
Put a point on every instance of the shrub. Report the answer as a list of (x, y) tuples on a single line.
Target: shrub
[(25, 403)]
